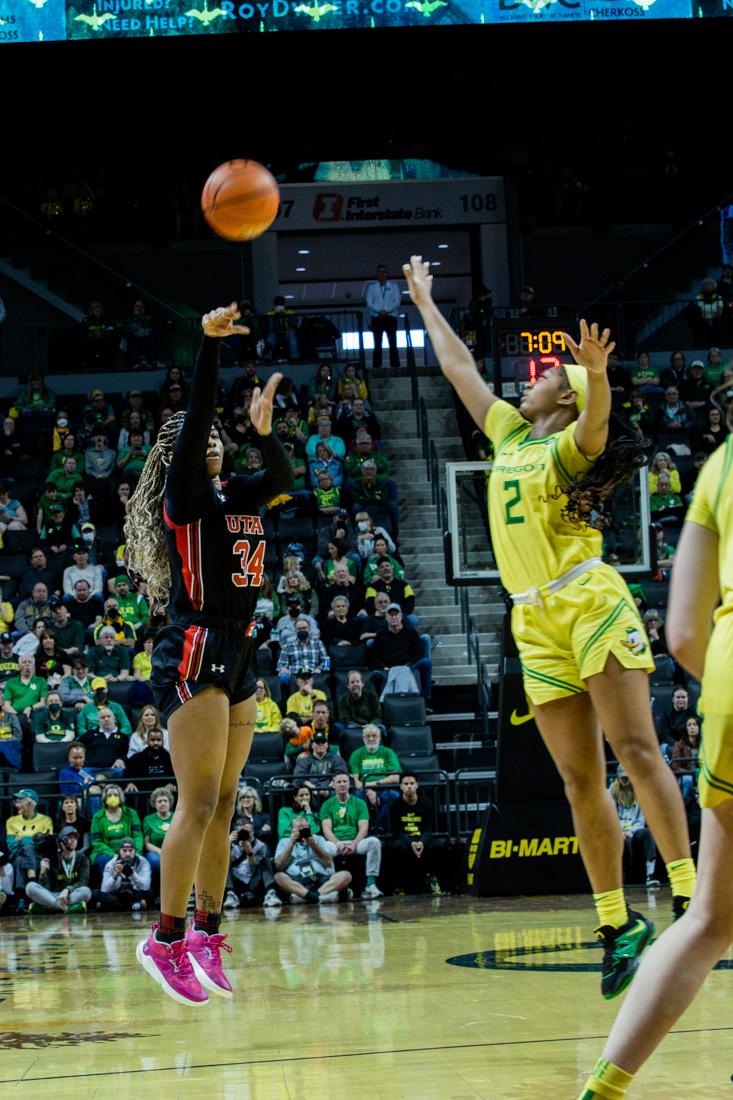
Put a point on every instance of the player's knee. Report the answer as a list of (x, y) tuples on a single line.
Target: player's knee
[(225, 803), (714, 922), (581, 784), (199, 811), (641, 760)]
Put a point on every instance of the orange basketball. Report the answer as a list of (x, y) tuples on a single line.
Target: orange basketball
[(240, 200)]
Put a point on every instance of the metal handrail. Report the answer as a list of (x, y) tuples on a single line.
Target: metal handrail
[(644, 265)]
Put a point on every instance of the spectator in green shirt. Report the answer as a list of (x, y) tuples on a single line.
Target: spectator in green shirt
[(88, 717), (345, 825), (156, 825), (131, 459), (66, 478), (25, 693), (112, 824), (301, 808), (373, 767)]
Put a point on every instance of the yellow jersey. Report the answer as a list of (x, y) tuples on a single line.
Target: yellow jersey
[(532, 542), (712, 507)]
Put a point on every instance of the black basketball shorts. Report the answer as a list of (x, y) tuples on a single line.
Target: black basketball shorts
[(189, 657)]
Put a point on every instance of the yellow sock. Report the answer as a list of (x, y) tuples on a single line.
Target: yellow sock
[(607, 1081), (682, 876), (611, 908)]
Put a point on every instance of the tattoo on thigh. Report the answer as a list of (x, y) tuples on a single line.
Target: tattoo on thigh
[(206, 903)]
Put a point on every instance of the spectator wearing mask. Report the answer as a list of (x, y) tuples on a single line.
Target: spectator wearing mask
[(126, 880), (366, 535), (124, 635), (49, 724), (304, 653), (62, 885), (287, 624), (113, 823)]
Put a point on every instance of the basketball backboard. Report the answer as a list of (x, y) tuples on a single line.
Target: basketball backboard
[(470, 561)]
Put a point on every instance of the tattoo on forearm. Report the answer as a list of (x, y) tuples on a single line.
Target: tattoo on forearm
[(206, 903)]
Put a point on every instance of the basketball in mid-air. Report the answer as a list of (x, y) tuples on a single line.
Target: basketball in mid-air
[(240, 200)]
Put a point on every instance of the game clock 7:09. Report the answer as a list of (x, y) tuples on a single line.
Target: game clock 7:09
[(533, 341)]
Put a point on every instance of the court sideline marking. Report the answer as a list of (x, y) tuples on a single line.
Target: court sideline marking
[(337, 1057)]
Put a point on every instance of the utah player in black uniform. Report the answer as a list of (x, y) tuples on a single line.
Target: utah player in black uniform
[(201, 549)]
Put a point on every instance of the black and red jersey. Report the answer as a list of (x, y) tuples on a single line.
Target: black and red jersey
[(215, 539)]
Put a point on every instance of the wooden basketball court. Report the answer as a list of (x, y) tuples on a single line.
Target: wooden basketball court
[(342, 1003)]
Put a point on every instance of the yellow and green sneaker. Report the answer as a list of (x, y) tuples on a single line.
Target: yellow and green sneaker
[(622, 948)]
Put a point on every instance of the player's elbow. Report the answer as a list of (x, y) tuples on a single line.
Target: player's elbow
[(684, 644)]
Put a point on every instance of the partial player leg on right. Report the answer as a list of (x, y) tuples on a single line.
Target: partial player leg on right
[(676, 966)]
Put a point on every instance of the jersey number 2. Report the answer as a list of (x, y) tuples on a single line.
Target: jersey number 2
[(513, 502), (252, 566)]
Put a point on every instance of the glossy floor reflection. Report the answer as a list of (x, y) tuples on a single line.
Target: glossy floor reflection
[(342, 1003)]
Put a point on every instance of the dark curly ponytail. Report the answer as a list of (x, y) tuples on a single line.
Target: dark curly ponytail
[(625, 452)]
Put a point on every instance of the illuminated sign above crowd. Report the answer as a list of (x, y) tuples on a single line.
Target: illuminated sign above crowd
[(48, 20)]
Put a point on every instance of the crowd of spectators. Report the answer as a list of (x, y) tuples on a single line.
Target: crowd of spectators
[(83, 756)]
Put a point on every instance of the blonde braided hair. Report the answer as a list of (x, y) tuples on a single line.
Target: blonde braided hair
[(145, 547)]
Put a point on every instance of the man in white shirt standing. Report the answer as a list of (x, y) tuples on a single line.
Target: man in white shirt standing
[(383, 300)]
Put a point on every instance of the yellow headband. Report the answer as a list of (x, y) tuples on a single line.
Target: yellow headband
[(578, 379)]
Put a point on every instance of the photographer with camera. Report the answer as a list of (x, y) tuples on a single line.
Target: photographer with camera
[(126, 880), (63, 878), (305, 869), (250, 869)]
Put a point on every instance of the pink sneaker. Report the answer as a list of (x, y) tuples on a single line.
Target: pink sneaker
[(204, 951), (170, 965)]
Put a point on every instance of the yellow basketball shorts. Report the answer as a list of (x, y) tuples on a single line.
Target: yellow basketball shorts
[(715, 781), (570, 635)]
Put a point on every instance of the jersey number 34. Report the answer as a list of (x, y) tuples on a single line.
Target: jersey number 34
[(251, 564)]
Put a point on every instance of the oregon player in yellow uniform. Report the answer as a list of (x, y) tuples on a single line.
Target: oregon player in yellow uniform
[(677, 965), (583, 649)]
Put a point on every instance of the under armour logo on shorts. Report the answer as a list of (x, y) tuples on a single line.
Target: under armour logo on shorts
[(218, 668)]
